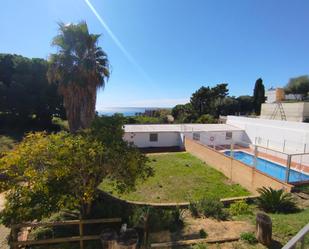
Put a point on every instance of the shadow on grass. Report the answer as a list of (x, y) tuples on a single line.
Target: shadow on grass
[(275, 245)]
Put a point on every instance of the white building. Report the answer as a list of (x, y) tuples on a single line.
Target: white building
[(171, 135), (280, 135), (274, 95)]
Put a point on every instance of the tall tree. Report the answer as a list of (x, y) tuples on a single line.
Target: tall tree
[(79, 68), (245, 104), (258, 95), (27, 100), (207, 100), (298, 85)]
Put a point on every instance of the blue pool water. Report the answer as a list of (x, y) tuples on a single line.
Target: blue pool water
[(270, 168)]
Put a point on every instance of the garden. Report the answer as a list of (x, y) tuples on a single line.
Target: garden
[(179, 177), (80, 168)]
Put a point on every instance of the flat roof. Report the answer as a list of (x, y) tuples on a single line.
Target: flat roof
[(179, 127)]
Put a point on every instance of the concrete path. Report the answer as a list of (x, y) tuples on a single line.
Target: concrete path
[(4, 232)]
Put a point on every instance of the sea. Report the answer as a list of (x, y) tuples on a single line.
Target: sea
[(126, 111)]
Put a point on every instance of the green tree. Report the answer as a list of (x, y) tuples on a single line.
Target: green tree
[(27, 100), (48, 173), (184, 113), (258, 95), (79, 69), (245, 104), (207, 100), (298, 85), (206, 119), (228, 106)]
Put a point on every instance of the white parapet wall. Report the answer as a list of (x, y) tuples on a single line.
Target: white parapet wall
[(298, 111), (291, 137)]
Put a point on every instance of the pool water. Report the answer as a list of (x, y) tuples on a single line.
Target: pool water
[(273, 169)]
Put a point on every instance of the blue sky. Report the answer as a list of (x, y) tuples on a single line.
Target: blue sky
[(172, 47)]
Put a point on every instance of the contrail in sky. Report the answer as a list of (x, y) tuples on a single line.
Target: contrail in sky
[(117, 42)]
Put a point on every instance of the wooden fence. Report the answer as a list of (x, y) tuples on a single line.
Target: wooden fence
[(81, 238)]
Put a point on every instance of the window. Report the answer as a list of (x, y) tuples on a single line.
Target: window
[(228, 135), (153, 137), (196, 136)]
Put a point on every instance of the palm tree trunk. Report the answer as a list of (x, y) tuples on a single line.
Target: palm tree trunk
[(87, 110)]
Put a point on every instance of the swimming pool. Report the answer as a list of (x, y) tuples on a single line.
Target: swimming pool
[(273, 169)]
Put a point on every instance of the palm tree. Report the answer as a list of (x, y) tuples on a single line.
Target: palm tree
[(79, 68)]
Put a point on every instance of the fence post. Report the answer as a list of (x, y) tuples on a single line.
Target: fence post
[(302, 243), (267, 143), (81, 234), (255, 156), (283, 149), (14, 232), (288, 168), (232, 149)]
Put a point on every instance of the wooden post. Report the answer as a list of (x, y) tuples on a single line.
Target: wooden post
[(263, 229), (14, 232), (81, 234)]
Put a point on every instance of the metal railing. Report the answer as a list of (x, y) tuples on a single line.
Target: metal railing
[(299, 237)]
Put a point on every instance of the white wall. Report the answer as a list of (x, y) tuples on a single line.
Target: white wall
[(298, 111), (219, 137), (169, 139), (274, 132), (270, 96), (165, 139)]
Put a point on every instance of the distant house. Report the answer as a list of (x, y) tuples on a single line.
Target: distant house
[(274, 95), (281, 106)]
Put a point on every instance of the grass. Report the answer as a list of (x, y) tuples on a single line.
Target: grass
[(285, 226), (179, 177)]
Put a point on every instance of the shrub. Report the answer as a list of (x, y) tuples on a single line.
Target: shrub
[(193, 208), (275, 201), (248, 237), (212, 208), (158, 219), (239, 208), (199, 246), (203, 233)]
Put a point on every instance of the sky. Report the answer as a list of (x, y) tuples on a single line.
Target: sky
[(161, 51)]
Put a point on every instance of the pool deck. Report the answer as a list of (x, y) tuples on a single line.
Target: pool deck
[(294, 165)]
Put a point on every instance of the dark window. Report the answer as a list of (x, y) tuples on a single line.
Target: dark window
[(196, 136), (228, 135), (153, 137)]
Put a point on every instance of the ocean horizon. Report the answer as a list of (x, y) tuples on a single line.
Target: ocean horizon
[(126, 111)]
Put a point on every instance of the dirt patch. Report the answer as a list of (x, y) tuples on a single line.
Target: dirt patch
[(214, 228)]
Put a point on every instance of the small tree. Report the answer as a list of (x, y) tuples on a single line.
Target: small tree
[(46, 173), (258, 95), (206, 119)]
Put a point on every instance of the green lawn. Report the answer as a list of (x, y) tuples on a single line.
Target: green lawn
[(180, 177), (285, 226)]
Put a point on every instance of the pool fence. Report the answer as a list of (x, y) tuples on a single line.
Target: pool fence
[(237, 171)]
